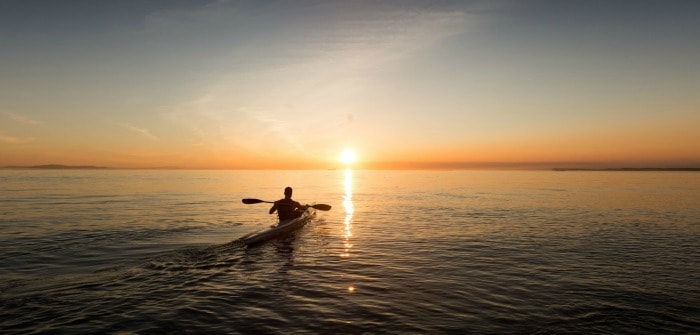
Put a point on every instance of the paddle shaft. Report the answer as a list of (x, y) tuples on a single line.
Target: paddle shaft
[(322, 207)]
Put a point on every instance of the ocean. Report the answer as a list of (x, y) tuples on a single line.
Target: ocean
[(400, 252)]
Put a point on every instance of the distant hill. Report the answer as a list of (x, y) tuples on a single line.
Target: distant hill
[(629, 169), (58, 167)]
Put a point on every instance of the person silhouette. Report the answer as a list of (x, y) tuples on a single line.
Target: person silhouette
[(287, 208)]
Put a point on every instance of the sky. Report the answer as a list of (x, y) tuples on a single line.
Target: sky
[(292, 84)]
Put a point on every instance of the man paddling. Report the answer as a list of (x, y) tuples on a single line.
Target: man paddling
[(287, 208)]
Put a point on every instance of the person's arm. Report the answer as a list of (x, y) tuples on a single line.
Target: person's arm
[(274, 208), (302, 207)]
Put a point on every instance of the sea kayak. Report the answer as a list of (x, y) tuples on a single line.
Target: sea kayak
[(283, 227)]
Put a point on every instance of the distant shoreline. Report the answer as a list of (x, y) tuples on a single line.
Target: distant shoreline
[(58, 167), (628, 169)]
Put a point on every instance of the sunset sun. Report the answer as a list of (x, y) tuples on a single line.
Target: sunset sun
[(347, 156)]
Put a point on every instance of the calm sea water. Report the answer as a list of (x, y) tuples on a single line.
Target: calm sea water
[(401, 252)]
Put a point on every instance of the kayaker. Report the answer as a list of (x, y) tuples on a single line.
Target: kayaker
[(287, 208)]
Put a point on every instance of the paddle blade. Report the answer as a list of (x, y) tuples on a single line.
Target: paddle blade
[(252, 201), (322, 207)]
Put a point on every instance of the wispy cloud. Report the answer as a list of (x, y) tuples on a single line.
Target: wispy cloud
[(277, 127), (8, 139), (191, 13), (20, 118), (142, 131), (317, 59), (15, 140)]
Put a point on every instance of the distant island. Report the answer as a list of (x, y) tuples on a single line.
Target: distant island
[(58, 167), (629, 169)]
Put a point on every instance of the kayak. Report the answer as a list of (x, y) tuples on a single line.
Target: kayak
[(283, 227)]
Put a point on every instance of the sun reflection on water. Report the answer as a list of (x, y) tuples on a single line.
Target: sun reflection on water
[(349, 210)]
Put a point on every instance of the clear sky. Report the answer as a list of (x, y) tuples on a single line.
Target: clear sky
[(291, 84)]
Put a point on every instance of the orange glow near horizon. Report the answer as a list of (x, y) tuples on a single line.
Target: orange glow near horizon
[(595, 151), (642, 147)]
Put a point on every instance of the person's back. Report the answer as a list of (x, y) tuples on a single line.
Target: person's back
[(287, 208)]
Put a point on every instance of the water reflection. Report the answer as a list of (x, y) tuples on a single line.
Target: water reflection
[(349, 210)]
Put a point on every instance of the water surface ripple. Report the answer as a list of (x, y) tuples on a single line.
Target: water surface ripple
[(402, 252)]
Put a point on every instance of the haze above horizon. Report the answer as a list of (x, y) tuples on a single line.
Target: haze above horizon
[(247, 85)]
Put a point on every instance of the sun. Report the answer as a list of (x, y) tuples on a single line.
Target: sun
[(347, 156)]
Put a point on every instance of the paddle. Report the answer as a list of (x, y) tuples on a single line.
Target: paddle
[(320, 207)]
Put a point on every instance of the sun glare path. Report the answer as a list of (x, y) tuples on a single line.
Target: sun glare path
[(349, 210)]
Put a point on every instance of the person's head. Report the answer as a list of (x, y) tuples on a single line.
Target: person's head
[(287, 192)]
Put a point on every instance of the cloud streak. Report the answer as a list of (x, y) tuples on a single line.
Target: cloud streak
[(308, 68), (15, 140), (142, 131), (20, 118)]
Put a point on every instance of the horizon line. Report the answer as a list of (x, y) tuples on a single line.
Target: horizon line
[(556, 166)]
